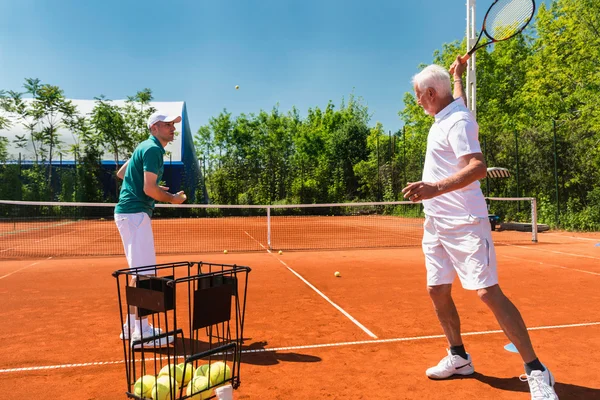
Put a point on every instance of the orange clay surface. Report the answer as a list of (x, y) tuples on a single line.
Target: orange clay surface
[(59, 325)]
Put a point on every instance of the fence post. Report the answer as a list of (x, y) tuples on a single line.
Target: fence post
[(378, 177), (487, 178), (556, 174), (534, 226), (517, 164), (269, 228), (393, 140), (404, 153)]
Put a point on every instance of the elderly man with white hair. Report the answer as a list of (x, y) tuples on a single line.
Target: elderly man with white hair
[(457, 235)]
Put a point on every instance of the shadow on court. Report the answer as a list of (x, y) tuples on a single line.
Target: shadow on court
[(255, 353), (564, 391), (258, 355)]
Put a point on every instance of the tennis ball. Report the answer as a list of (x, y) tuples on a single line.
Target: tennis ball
[(224, 251), (198, 384), (337, 274), (189, 372), (161, 391), (170, 383), (172, 371), (280, 252), (237, 87), (201, 370), (219, 372), (143, 386)]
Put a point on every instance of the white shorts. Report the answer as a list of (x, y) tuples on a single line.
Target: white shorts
[(138, 240), (459, 246)]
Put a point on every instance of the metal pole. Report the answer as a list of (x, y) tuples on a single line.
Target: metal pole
[(404, 152), (556, 174), (392, 164), (487, 178), (534, 227), (517, 160), (471, 83), (378, 180), (269, 228)]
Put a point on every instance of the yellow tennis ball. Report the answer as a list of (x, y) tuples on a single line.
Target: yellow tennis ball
[(160, 391), (189, 372), (224, 251), (280, 252), (337, 274), (172, 371), (168, 382), (219, 372), (237, 87), (198, 385), (201, 370), (143, 386)]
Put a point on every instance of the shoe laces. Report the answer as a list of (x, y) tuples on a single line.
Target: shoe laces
[(446, 361), (538, 386)]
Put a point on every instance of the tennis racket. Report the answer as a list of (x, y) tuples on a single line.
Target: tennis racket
[(503, 20)]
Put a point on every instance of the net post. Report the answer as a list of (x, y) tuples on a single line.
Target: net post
[(269, 227), (534, 225)]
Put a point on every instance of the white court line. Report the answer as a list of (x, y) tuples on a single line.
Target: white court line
[(552, 265), (313, 346), (20, 269), (340, 309), (554, 251), (571, 237)]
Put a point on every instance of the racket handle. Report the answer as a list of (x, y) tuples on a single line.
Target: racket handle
[(462, 60)]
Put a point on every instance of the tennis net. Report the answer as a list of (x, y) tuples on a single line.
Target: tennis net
[(55, 229)]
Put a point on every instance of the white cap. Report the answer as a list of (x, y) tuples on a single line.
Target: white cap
[(158, 116)]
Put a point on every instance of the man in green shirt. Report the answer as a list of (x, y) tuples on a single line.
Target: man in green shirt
[(141, 175)]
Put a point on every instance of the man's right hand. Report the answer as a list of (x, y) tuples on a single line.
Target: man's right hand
[(179, 198), (458, 68)]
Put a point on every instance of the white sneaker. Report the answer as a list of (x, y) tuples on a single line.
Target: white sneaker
[(125, 332), (541, 385), (451, 365), (148, 332)]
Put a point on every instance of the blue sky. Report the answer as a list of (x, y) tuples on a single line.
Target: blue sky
[(295, 53)]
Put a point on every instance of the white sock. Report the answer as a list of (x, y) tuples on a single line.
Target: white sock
[(130, 321)]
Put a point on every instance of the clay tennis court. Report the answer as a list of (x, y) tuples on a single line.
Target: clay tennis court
[(369, 334)]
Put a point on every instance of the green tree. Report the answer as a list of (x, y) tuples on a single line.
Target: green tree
[(136, 112)]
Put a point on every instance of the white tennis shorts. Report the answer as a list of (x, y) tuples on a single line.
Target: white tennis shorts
[(460, 246), (138, 240)]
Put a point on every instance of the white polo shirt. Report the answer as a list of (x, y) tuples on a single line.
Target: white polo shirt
[(453, 134)]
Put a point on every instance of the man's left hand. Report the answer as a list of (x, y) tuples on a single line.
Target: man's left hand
[(417, 191)]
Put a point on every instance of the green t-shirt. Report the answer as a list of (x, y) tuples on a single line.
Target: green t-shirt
[(148, 156)]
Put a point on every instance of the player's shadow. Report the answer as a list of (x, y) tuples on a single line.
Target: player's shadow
[(254, 353), (564, 391)]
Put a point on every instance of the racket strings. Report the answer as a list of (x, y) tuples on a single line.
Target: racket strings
[(508, 17)]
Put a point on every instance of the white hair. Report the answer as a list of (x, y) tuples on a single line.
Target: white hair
[(435, 77)]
